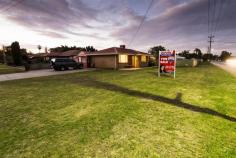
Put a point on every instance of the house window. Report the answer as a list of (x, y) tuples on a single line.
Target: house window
[(143, 58), (123, 58)]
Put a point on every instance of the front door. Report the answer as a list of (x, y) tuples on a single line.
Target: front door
[(135, 62), (89, 61)]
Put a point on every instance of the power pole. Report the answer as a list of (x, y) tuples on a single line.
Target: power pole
[(210, 42)]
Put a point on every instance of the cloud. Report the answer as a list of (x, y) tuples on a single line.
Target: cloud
[(180, 24), (52, 34), (172, 23), (50, 15), (184, 17), (63, 18)]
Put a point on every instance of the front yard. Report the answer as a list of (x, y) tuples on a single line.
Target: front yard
[(4, 69), (120, 114)]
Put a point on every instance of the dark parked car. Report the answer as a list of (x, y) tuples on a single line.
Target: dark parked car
[(65, 64)]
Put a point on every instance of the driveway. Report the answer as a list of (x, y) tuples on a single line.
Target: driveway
[(38, 73), (226, 67)]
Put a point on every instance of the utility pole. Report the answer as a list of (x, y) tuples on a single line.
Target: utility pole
[(210, 42)]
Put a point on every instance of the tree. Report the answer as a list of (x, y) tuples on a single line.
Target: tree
[(66, 48), (225, 55), (198, 53), (207, 57), (25, 59), (90, 49), (39, 48), (155, 50), (24, 55), (185, 53), (16, 53), (215, 57)]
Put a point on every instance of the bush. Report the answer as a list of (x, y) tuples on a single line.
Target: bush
[(151, 63), (27, 66)]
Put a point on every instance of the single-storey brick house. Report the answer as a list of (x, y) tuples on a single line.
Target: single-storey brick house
[(39, 57), (83, 58), (118, 57), (73, 54)]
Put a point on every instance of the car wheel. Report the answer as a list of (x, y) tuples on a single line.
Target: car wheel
[(81, 67), (55, 68), (63, 68)]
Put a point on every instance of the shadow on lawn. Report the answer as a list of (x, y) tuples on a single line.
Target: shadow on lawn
[(173, 102)]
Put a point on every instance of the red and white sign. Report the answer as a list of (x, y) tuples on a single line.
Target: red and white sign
[(167, 62)]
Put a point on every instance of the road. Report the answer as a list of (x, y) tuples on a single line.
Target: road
[(226, 67), (38, 73)]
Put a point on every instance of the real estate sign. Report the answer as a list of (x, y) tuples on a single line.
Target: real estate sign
[(167, 62)]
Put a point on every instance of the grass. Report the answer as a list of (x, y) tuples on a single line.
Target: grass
[(4, 69), (120, 114)]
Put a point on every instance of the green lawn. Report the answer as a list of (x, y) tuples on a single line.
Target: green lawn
[(4, 69), (120, 114)]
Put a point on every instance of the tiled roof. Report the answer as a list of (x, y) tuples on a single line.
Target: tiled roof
[(108, 51), (117, 50), (64, 54), (37, 55)]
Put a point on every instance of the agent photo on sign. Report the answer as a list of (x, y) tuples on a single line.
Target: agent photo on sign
[(162, 69)]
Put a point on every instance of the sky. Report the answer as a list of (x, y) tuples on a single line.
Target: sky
[(176, 24)]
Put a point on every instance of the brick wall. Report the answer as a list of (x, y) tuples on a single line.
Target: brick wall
[(105, 61)]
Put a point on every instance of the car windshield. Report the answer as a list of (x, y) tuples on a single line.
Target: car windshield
[(64, 60)]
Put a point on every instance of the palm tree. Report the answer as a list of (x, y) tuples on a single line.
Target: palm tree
[(39, 48)]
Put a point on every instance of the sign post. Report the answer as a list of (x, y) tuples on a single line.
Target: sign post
[(167, 63)]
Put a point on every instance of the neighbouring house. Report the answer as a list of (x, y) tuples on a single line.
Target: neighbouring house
[(77, 55), (118, 57), (73, 54), (38, 57), (83, 58), (46, 57)]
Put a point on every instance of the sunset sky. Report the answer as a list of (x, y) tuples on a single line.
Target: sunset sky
[(175, 24)]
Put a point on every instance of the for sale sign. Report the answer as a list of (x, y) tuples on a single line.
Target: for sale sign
[(167, 62)]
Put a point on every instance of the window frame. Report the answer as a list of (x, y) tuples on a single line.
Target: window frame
[(144, 57), (120, 58)]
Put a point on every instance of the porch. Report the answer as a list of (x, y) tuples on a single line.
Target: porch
[(132, 61)]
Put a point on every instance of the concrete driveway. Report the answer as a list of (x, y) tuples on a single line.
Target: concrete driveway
[(226, 67), (38, 73)]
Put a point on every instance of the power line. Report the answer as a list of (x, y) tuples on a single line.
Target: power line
[(218, 16), (210, 16), (213, 16), (208, 9), (210, 24), (221, 14), (225, 42), (142, 21), (213, 19)]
